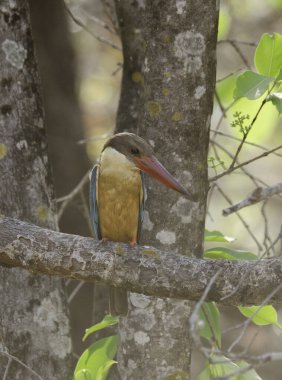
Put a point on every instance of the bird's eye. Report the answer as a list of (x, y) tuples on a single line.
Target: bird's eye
[(134, 151)]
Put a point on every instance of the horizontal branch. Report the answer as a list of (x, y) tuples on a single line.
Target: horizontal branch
[(139, 269), (258, 195)]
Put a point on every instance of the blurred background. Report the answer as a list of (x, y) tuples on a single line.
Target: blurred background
[(80, 58)]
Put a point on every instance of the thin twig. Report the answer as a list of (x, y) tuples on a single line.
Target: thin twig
[(239, 371), (210, 326), (229, 41), (7, 369), (98, 38), (249, 320), (67, 198), (258, 195), (225, 196), (241, 55), (102, 23), (223, 116), (8, 355), (266, 238), (194, 318), (278, 238), (75, 291), (228, 76), (95, 138), (246, 134), (219, 102), (251, 125), (253, 179), (246, 142), (119, 67), (231, 169)]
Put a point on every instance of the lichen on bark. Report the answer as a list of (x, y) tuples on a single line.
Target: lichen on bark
[(26, 192), (175, 52)]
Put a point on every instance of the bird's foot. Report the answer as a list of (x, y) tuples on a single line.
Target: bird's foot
[(133, 242)]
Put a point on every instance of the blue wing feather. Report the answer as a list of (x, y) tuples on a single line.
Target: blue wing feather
[(94, 212), (142, 208)]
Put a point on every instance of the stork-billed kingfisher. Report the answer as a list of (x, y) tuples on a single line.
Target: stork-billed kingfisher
[(117, 195)]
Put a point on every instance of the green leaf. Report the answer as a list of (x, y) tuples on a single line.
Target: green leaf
[(216, 370), (251, 85), (228, 254), (108, 320), (103, 371), (267, 315), (279, 76), (276, 99), (205, 374), (97, 359), (268, 55), (223, 24), (250, 375), (209, 314), (83, 374), (217, 236)]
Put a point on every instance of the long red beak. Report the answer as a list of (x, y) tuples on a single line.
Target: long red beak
[(154, 168)]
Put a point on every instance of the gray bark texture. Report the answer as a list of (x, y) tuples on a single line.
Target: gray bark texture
[(167, 95), (141, 269), (34, 323), (68, 159)]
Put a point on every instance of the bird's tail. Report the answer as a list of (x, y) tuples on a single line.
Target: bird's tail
[(118, 301)]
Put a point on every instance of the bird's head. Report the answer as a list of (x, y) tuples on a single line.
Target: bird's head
[(138, 151)]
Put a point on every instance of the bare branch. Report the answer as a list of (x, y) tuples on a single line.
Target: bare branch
[(103, 24), (231, 375), (246, 142), (228, 76), (139, 269), (7, 369), (247, 132), (239, 42), (98, 38), (230, 170), (95, 138), (12, 357), (194, 319), (240, 53), (258, 195), (69, 197), (75, 291), (245, 224), (249, 320)]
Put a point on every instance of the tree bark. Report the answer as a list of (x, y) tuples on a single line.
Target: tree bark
[(34, 318), (68, 159), (141, 269), (169, 52)]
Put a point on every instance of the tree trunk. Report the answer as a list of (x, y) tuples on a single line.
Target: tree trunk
[(167, 96), (64, 126), (57, 65), (34, 317)]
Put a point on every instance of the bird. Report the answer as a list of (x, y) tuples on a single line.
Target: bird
[(118, 196)]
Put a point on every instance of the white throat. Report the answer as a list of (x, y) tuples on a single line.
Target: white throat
[(112, 162)]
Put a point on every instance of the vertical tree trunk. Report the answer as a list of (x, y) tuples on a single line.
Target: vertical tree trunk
[(57, 66), (34, 322), (169, 52)]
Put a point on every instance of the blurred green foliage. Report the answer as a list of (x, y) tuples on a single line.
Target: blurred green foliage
[(97, 359)]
